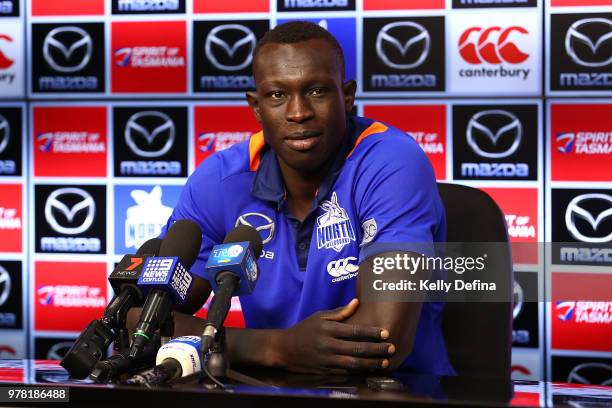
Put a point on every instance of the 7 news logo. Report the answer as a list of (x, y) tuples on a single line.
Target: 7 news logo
[(493, 142), (581, 52), (68, 57), (223, 52), (582, 226), (70, 219), (403, 54), (150, 141)]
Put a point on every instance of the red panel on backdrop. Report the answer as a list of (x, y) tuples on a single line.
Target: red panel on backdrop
[(11, 219), (68, 295), (581, 142), (149, 56), (581, 325), (70, 141), (562, 3), (219, 127), (520, 207), (402, 4), (426, 123), (67, 7), (224, 6)]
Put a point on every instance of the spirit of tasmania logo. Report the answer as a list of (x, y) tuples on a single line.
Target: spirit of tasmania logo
[(334, 229)]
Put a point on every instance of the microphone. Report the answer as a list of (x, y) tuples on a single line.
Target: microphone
[(95, 339), (179, 357), (232, 271), (168, 279)]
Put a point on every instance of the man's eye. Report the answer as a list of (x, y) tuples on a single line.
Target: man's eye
[(317, 91), (276, 95)]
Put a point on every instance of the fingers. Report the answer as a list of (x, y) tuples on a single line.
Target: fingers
[(361, 349), (341, 313), (354, 331), (356, 364)]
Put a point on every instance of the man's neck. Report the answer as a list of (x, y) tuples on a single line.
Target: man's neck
[(301, 188)]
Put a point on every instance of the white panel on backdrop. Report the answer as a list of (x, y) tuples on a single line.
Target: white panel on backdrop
[(12, 344), (527, 364), (495, 53), (12, 69)]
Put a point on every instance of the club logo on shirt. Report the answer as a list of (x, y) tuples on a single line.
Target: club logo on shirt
[(334, 229)]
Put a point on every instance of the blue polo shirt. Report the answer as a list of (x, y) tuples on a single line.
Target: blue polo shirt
[(380, 190)]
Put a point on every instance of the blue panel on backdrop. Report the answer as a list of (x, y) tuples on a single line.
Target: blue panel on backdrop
[(140, 213)]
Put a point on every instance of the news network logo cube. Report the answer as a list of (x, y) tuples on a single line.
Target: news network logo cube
[(168, 274), (238, 258)]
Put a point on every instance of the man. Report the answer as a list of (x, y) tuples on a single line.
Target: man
[(333, 191)]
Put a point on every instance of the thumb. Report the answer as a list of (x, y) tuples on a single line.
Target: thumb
[(341, 313)]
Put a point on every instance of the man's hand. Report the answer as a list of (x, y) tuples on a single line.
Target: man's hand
[(322, 344)]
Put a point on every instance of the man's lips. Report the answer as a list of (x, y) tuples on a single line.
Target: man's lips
[(303, 141)]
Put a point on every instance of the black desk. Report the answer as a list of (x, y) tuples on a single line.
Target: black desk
[(308, 391)]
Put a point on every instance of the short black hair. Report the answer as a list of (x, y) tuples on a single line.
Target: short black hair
[(298, 31)]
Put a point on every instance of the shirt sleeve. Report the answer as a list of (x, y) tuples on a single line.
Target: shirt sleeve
[(201, 201), (400, 207)]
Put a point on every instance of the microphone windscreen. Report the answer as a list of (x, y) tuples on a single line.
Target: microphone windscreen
[(183, 239), (150, 247), (243, 233)]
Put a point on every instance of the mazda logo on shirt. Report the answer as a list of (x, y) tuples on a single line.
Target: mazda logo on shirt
[(585, 44), (5, 133), (67, 49), (218, 47), (576, 211), (5, 286), (56, 204), (493, 126), (144, 130), (403, 44), (262, 223)]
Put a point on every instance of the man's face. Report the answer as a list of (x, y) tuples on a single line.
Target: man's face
[(301, 101)]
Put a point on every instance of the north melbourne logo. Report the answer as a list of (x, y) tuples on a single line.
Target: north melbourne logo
[(146, 219), (334, 229), (67, 49)]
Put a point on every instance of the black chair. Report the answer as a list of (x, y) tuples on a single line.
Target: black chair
[(478, 334)]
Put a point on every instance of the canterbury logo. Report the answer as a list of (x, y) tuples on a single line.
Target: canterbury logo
[(477, 45), (342, 267)]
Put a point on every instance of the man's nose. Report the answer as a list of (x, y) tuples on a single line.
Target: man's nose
[(298, 109)]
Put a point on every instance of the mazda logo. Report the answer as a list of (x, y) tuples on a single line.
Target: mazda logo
[(575, 210), (395, 40), (5, 133), (591, 373), (148, 126), (66, 41), (494, 125), (218, 38), (59, 350), (583, 32), (55, 203), (262, 223), (519, 300), (5, 286)]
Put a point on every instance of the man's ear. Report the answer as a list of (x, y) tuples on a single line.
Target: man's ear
[(349, 88), (253, 101)]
